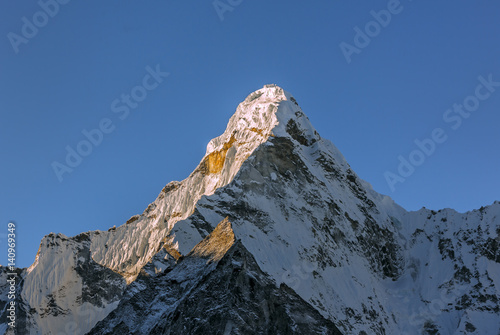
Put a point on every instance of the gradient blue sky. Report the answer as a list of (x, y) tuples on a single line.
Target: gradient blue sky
[(394, 91)]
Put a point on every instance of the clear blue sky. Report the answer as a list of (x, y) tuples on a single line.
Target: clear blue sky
[(65, 76)]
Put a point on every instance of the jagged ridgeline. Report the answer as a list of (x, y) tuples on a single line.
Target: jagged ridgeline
[(272, 233)]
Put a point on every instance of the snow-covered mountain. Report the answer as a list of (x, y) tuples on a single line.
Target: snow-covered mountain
[(272, 233)]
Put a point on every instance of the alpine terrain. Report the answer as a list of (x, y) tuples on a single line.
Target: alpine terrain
[(272, 233)]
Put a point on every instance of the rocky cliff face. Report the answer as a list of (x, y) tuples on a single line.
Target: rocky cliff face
[(218, 288), (272, 233)]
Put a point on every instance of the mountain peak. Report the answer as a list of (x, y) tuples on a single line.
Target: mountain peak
[(270, 92), (268, 112), (303, 233)]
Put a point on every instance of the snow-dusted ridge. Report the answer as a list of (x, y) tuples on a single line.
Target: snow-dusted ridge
[(254, 122), (307, 221)]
